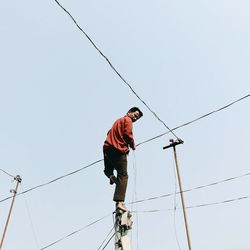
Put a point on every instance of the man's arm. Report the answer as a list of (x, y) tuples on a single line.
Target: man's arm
[(128, 132)]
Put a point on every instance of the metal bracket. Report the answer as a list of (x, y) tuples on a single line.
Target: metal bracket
[(174, 143)]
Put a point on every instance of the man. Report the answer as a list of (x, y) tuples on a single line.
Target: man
[(115, 149)]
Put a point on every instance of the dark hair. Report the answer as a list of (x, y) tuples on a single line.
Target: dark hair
[(134, 109)]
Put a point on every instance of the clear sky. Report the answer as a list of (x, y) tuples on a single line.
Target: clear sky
[(59, 97)]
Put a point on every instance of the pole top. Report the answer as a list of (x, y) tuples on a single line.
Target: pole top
[(18, 178), (174, 143)]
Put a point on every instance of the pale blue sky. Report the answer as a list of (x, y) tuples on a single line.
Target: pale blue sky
[(59, 97)]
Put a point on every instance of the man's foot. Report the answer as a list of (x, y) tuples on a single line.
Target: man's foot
[(121, 205), (112, 179)]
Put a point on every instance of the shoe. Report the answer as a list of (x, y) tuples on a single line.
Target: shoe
[(112, 179), (121, 205)]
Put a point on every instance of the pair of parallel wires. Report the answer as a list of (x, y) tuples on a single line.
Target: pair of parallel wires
[(143, 211)]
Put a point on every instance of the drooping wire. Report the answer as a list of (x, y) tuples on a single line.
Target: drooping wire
[(30, 219), (5, 172), (75, 232), (192, 189), (114, 69), (195, 120)]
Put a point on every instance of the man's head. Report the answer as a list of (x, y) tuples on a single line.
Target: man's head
[(135, 114)]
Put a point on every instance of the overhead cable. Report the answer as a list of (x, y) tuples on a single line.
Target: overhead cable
[(191, 189), (139, 144), (113, 68), (194, 206), (147, 211), (106, 238), (109, 240), (138, 201), (54, 180), (196, 119), (75, 232), (5, 172)]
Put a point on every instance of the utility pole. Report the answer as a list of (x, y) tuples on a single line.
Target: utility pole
[(18, 180), (173, 144), (123, 223)]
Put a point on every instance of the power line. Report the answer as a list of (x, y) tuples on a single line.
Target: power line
[(196, 119), (5, 172), (220, 202), (108, 241), (107, 238), (63, 176), (146, 211), (75, 232), (54, 180), (114, 69), (139, 144), (191, 189), (142, 200), (194, 206), (155, 210)]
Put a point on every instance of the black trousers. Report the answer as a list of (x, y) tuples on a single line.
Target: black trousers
[(114, 160)]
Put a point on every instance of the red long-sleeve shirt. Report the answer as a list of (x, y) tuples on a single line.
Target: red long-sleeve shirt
[(120, 136)]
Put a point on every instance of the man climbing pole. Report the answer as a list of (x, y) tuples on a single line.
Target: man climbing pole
[(115, 149)]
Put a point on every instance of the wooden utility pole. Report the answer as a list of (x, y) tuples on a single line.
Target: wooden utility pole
[(173, 144), (18, 180)]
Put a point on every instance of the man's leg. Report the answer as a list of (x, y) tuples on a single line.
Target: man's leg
[(122, 179), (109, 165)]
